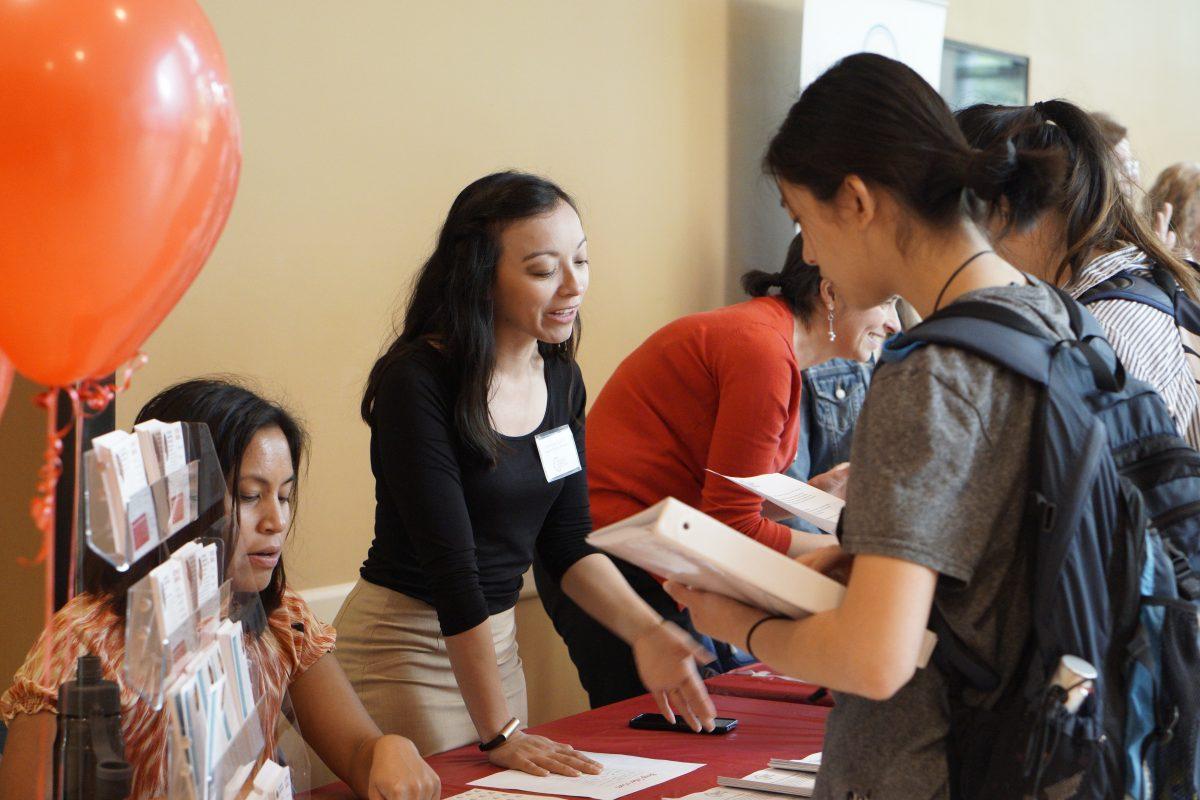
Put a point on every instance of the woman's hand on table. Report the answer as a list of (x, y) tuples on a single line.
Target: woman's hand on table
[(832, 561), (666, 659), (399, 773), (833, 481), (540, 756)]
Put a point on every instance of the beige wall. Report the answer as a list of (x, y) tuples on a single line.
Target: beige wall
[(363, 118), (362, 121)]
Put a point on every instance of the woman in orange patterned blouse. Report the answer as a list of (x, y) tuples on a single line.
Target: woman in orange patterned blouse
[(260, 447)]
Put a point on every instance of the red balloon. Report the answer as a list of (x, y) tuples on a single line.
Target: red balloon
[(6, 378), (119, 158)]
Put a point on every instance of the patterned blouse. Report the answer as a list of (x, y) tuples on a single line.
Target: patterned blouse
[(1145, 339), (293, 642)]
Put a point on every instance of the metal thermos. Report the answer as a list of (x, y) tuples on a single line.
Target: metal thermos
[(89, 751)]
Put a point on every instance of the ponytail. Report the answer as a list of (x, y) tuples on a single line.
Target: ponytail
[(799, 284), (876, 118), (1058, 159)]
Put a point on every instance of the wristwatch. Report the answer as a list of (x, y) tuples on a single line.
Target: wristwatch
[(508, 730)]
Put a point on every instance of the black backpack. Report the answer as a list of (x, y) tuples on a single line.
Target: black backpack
[(1105, 461)]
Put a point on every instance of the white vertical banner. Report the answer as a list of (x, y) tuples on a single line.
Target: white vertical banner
[(910, 31)]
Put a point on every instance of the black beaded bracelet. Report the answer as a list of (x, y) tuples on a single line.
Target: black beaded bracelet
[(754, 627)]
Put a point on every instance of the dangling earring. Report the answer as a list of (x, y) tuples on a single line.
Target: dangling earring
[(832, 335)]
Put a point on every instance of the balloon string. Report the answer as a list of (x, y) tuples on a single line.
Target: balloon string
[(89, 398), (94, 396)]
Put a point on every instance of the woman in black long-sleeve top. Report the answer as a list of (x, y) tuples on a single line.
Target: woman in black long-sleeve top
[(477, 441)]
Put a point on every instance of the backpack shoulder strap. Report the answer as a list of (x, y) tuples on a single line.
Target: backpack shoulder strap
[(985, 329), (1004, 337), (1136, 287)]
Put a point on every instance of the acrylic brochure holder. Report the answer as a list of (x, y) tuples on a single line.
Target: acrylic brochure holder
[(230, 731), (268, 733), (159, 511), (268, 730), (155, 651)]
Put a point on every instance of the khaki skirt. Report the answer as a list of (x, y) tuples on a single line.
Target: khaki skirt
[(391, 648)]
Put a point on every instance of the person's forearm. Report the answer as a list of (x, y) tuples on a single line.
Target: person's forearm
[(805, 542), (596, 585), (851, 648), (821, 649), (473, 658)]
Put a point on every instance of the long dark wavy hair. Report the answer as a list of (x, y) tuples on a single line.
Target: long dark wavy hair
[(234, 414), (451, 305)]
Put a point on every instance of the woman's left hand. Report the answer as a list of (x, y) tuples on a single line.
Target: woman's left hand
[(666, 659), (399, 773), (714, 614), (834, 481)]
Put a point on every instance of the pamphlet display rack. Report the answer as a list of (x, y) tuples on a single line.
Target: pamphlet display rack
[(193, 642), (204, 674), (162, 509)]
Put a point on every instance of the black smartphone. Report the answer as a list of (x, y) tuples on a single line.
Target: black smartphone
[(657, 722)]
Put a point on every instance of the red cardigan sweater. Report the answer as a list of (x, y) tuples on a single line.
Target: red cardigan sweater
[(718, 390)]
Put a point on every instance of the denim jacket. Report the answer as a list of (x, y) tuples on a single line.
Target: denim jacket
[(832, 398)]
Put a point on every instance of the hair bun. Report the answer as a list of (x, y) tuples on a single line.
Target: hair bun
[(757, 283)]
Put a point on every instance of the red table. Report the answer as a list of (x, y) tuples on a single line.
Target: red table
[(766, 730), (750, 681)]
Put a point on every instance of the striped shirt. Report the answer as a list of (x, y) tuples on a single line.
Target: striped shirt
[(293, 642), (1145, 339)]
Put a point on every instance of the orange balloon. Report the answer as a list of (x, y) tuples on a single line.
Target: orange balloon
[(120, 150)]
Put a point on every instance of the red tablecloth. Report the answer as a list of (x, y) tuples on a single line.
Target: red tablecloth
[(760, 682), (765, 730)]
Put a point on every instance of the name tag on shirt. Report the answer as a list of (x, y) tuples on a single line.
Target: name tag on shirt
[(558, 453)]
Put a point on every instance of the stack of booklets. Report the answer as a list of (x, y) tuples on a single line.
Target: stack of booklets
[(786, 778), (676, 541), (209, 705), (791, 777), (164, 455), (134, 468), (130, 503), (209, 695)]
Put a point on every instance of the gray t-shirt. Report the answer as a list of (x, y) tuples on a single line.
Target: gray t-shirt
[(941, 455)]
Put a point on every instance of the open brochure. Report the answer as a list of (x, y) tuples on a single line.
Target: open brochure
[(676, 541), (796, 497)]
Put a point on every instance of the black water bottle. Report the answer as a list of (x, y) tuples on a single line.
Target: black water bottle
[(89, 751)]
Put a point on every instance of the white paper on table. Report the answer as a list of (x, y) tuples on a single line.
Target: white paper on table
[(797, 497), (488, 794), (622, 775), (727, 793)]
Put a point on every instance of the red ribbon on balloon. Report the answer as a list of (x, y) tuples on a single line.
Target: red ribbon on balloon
[(6, 379), (119, 157)]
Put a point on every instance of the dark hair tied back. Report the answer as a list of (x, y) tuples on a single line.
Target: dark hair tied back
[(876, 118), (799, 283), (1057, 159), (1022, 178)]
